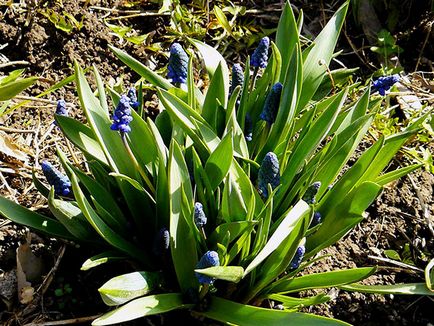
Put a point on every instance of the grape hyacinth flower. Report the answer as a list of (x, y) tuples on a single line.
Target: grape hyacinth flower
[(237, 77), (248, 127), (316, 219), (312, 190), (269, 173), (209, 259), (271, 105), (132, 95), (60, 182), (178, 64), (383, 83), (61, 109), (298, 257), (122, 115), (161, 242), (259, 57), (199, 215)]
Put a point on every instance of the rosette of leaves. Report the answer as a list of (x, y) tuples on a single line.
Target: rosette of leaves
[(150, 178)]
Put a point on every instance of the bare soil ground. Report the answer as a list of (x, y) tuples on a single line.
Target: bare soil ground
[(396, 220)]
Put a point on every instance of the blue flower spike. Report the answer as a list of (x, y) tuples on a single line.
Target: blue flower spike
[(178, 64), (199, 215), (132, 95), (237, 77), (61, 109), (317, 218), (122, 115), (248, 128), (271, 105), (384, 83), (209, 259), (60, 182), (161, 242), (312, 190), (298, 257), (269, 173), (259, 57)]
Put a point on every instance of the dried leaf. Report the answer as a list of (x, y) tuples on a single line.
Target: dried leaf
[(29, 268), (10, 151)]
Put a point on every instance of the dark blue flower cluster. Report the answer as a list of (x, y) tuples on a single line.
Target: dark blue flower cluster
[(269, 173), (61, 109), (316, 219), (199, 215), (209, 259), (312, 190), (161, 242), (122, 115), (259, 57), (237, 77), (383, 83), (132, 95), (60, 182), (178, 64), (298, 257), (248, 128), (271, 105)]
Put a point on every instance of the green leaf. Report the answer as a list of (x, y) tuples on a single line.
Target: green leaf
[(12, 88), (141, 69), (72, 218), (321, 280), (102, 258), (101, 90), (212, 59), (287, 39), (405, 289), (219, 162), (281, 233), (216, 95), (109, 235), (81, 136), (323, 47), (44, 190), (429, 276), (183, 245), (123, 288), (233, 313), (290, 302), (384, 179), (221, 17), (235, 229), (22, 215), (146, 306), (226, 273)]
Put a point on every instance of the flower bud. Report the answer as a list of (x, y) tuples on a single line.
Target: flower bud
[(161, 242), (271, 105), (209, 259), (199, 215), (312, 190), (60, 182), (298, 258), (384, 83), (269, 173), (122, 115), (237, 77), (316, 219), (178, 64), (132, 95), (248, 128), (259, 57)]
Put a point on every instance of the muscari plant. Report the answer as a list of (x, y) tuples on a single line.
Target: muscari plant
[(231, 192)]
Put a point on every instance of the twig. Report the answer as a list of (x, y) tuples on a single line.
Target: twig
[(36, 99), (8, 188), (79, 320), (118, 11), (47, 281), (22, 131), (142, 14), (424, 206), (13, 63), (423, 46), (397, 263)]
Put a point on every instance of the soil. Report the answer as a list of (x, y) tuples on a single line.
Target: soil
[(395, 221)]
